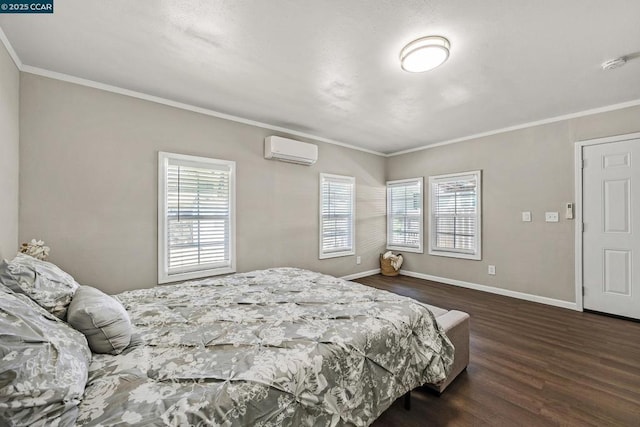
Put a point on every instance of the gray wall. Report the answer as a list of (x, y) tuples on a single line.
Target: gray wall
[(9, 142), (526, 170), (88, 186)]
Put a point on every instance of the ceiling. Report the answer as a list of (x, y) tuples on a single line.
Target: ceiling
[(330, 68)]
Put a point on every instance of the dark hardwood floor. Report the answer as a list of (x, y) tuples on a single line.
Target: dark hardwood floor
[(531, 364)]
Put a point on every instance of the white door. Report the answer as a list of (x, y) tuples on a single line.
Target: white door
[(611, 237)]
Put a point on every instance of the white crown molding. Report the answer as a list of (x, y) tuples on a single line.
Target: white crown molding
[(158, 100), (109, 88), (361, 274), (493, 290), (605, 109), (12, 52)]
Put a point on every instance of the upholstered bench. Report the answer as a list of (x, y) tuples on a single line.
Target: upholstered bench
[(456, 325)]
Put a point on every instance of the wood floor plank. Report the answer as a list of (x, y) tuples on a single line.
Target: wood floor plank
[(531, 364)]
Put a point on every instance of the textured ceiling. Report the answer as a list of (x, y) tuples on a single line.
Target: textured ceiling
[(330, 68)]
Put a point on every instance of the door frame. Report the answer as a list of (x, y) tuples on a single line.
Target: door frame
[(578, 177)]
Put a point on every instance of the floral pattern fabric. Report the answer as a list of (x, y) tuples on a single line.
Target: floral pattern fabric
[(42, 281), (43, 365), (275, 347)]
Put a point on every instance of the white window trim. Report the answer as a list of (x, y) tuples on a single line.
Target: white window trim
[(352, 251), (420, 248), (163, 274), (477, 254)]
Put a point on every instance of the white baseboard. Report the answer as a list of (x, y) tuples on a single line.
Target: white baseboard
[(361, 274), (494, 290)]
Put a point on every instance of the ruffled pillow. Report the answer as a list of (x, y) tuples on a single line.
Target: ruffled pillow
[(41, 281)]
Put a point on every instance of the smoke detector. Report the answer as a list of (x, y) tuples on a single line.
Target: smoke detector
[(614, 63)]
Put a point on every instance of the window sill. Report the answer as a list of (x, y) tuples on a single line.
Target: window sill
[(336, 254), (170, 278), (405, 249), (476, 257)]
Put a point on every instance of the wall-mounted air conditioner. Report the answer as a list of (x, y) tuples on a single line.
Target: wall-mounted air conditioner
[(290, 150)]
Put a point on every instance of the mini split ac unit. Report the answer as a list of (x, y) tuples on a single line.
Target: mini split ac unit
[(290, 150)]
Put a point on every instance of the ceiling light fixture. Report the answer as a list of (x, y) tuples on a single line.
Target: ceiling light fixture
[(424, 54), (614, 63)]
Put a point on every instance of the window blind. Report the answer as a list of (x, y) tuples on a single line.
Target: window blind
[(337, 200), (455, 213), (404, 215), (198, 215)]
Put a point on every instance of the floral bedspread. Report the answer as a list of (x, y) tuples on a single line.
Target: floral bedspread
[(275, 347)]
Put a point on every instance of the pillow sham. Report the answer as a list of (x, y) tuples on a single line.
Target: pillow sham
[(44, 364), (101, 318), (41, 281)]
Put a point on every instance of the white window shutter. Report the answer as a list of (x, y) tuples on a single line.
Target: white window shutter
[(404, 215), (455, 215), (337, 215), (197, 217)]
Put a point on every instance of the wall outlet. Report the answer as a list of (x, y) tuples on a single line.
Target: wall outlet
[(491, 270), (526, 216), (551, 216), (358, 260)]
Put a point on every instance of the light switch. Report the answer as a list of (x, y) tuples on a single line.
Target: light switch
[(551, 216), (526, 216)]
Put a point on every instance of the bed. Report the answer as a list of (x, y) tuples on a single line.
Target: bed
[(282, 346)]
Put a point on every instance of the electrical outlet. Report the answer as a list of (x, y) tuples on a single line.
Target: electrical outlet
[(358, 260), (526, 216), (492, 270), (551, 216)]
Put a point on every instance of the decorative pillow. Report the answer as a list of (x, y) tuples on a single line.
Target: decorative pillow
[(102, 319), (41, 281), (43, 364)]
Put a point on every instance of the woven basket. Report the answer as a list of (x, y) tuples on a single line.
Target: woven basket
[(386, 268)]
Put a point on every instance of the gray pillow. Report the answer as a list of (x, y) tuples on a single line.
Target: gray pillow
[(41, 281), (44, 365), (102, 319)]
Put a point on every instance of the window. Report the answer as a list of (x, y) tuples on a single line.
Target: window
[(337, 202), (455, 221), (196, 217), (404, 215)]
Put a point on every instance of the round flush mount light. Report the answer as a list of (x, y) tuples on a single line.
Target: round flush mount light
[(424, 54), (614, 63)]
